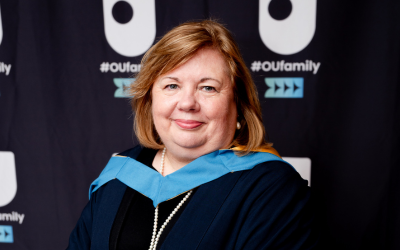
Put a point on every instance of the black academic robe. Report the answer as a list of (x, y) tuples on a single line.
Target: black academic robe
[(265, 207)]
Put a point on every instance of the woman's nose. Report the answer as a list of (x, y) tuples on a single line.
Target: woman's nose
[(188, 101)]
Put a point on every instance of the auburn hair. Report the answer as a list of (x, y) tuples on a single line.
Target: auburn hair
[(174, 49)]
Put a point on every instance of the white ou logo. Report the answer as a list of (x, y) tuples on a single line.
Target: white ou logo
[(302, 166), (133, 34), (8, 178), (1, 28), (292, 34)]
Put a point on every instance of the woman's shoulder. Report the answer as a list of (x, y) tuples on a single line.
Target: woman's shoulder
[(113, 167), (132, 152), (274, 173), (278, 168)]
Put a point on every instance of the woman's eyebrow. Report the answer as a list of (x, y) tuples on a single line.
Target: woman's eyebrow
[(209, 78), (172, 78)]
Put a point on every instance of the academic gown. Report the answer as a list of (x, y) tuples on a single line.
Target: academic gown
[(256, 201)]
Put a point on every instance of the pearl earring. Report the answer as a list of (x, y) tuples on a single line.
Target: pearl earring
[(238, 126)]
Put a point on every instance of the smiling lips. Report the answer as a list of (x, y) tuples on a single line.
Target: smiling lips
[(188, 124)]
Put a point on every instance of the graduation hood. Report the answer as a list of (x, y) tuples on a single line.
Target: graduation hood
[(161, 188)]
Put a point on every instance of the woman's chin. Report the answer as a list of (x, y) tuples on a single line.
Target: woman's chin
[(193, 147), (190, 145)]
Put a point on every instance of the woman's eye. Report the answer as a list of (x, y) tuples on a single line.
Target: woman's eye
[(172, 86), (209, 88)]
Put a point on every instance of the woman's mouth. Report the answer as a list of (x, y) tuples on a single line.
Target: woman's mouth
[(188, 124)]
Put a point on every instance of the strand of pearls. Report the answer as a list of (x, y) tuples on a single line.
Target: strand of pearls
[(156, 236), (162, 162)]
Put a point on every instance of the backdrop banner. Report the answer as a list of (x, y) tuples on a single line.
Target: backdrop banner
[(327, 75)]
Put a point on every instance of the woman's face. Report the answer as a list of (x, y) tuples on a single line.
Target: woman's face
[(193, 108)]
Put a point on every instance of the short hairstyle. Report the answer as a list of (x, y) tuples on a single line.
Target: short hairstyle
[(173, 50)]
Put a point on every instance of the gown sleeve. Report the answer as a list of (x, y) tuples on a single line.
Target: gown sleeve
[(80, 238), (281, 216), (94, 226)]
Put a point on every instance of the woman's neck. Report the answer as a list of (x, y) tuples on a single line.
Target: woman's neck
[(171, 162)]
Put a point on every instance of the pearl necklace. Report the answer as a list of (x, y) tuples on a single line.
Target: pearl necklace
[(156, 236)]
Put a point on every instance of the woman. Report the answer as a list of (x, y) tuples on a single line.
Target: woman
[(203, 176)]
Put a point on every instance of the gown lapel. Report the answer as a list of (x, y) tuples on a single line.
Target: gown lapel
[(193, 223)]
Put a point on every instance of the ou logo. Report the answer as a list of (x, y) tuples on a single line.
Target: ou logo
[(8, 178), (1, 29), (291, 34), (133, 32)]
